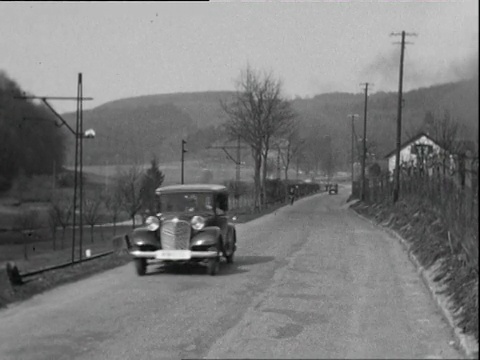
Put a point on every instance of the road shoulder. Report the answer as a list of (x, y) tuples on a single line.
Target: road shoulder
[(467, 343)]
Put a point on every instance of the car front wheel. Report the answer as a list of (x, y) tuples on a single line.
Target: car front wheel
[(213, 266), (141, 266)]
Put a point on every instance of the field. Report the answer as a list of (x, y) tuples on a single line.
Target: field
[(38, 249), (34, 252), (194, 172)]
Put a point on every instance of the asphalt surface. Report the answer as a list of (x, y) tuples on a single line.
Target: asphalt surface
[(312, 280)]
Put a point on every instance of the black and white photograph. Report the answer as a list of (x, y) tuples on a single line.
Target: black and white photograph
[(233, 179)]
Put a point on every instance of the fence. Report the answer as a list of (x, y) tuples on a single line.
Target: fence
[(455, 204)]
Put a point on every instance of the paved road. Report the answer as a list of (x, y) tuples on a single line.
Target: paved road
[(310, 281)]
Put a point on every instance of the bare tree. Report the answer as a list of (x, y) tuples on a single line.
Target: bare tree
[(327, 158), (128, 187), (257, 114), (61, 212), (113, 203), (444, 131), (53, 224), (26, 223), (290, 148), (91, 211), (312, 152)]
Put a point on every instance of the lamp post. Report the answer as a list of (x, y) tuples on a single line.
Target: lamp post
[(88, 134)]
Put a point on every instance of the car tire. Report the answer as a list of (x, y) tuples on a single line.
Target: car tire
[(141, 266), (213, 266), (229, 257)]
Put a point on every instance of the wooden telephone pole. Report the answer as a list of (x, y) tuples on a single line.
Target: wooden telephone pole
[(396, 188), (364, 150)]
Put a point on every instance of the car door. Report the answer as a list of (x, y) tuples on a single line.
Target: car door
[(221, 209)]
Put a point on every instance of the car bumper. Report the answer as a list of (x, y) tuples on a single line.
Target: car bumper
[(174, 255)]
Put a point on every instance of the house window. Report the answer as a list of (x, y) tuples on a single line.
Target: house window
[(421, 150)]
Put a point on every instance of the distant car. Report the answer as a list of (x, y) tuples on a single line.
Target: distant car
[(332, 189), (191, 225)]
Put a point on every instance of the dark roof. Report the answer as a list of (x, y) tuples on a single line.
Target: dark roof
[(409, 141), (192, 188)]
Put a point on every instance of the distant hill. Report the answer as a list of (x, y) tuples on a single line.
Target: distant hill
[(130, 130), (326, 114)]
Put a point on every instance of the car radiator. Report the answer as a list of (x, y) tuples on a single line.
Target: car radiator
[(175, 235)]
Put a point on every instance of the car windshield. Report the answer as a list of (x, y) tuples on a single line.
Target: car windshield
[(186, 202)]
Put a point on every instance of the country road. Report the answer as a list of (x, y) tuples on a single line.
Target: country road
[(312, 280)]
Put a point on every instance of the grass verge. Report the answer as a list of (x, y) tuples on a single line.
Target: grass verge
[(50, 279), (427, 239)]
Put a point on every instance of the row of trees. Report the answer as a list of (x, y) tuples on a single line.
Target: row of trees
[(132, 192)]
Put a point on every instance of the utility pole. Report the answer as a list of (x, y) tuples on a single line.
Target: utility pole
[(80, 133), (396, 188), (78, 147), (364, 151), (353, 146), (183, 158), (236, 160)]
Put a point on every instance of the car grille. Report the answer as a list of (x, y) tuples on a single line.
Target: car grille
[(175, 235)]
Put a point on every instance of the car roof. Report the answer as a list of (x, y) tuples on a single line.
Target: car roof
[(191, 188)]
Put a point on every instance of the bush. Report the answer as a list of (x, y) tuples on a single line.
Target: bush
[(67, 179), (5, 183), (238, 188)]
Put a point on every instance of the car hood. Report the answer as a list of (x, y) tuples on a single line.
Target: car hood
[(186, 216)]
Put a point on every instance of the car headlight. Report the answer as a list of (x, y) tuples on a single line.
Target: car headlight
[(198, 222), (152, 223)]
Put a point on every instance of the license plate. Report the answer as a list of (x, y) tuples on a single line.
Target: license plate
[(173, 255)]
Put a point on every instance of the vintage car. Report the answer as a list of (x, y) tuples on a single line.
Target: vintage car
[(332, 189), (191, 225)]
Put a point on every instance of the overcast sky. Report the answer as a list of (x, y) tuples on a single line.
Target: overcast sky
[(129, 49)]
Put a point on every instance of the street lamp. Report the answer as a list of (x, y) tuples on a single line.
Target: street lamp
[(89, 134)]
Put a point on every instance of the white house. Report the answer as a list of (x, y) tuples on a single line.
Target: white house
[(410, 150)]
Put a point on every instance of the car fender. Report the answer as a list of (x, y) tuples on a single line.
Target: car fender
[(143, 237), (207, 236)]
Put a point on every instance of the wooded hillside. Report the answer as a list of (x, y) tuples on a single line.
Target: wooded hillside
[(130, 130)]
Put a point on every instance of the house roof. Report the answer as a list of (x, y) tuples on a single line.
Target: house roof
[(409, 141), (191, 188)]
